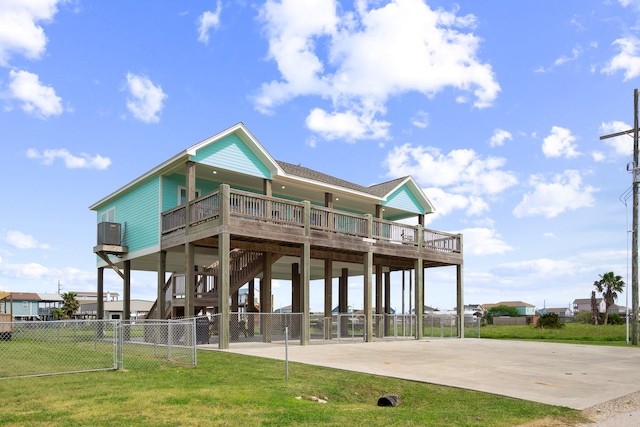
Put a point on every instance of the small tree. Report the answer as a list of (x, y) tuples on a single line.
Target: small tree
[(500, 310), (609, 286), (549, 321), (58, 313), (69, 303)]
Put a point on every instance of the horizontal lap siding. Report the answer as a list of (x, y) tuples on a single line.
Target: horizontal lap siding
[(233, 154), (137, 212), (171, 184), (404, 199)]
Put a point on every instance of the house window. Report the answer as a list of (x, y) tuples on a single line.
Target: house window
[(25, 305), (182, 195), (108, 216)]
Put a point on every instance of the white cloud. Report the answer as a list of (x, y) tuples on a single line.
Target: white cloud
[(564, 192), (146, 99), (499, 137), (627, 60), (206, 21), (621, 145), (536, 267), (463, 170), (598, 156), (83, 161), (559, 143), (19, 30), (20, 240), (372, 55), (448, 202), (36, 99), (348, 125), (484, 241), (420, 120)]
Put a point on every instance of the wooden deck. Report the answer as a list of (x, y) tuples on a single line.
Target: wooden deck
[(258, 222)]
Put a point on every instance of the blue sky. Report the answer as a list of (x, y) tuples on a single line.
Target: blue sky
[(495, 108)]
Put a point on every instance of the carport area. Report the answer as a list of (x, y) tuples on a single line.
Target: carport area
[(575, 376)]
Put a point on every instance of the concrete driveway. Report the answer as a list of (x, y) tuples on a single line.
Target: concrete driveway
[(575, 376)]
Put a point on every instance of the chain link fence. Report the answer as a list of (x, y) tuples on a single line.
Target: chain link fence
[(70, 346), (270, 328), (440, 326)]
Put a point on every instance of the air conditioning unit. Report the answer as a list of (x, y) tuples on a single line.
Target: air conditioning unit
[(109, 234)]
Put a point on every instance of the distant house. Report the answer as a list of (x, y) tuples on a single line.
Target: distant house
[(618, 309), (114, 309), (563, 312), (524, 309), (33, 306), (285, 309), (585, 304), (93, 296)]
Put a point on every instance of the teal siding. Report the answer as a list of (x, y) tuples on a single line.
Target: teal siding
[(137, 211), (18, 310), (404, 199), (233, 154), (171, 184)]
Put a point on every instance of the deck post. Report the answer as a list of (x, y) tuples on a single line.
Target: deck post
[(162, 270), (328, 297), (126, 306), (343, 299), (419, 300), (100, 296), (224, 255), (189, 278), (419, 282), (367, 283), (250, 307), (266, 305), (305, 276), (387, 303), (379, 307), (296, 299), (460, 294)]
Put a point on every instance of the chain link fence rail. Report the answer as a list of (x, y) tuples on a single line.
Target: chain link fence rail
[(70, 346)]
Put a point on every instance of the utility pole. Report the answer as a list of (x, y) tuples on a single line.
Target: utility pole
[(634, 227)]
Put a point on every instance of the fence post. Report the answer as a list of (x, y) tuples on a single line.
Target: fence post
[(120, 339), (193, 341)]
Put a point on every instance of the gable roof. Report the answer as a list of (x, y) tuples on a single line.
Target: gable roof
[(25, 296), (282, 169)]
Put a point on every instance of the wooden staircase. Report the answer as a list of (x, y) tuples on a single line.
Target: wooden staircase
[(244, 266)]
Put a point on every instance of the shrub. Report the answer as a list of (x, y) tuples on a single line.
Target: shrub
[(615, 319), (583, 316), (549, 321)]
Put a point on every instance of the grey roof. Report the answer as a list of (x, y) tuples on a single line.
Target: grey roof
[(379, 190)]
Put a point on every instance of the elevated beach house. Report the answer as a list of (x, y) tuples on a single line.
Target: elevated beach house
[(223, 213)]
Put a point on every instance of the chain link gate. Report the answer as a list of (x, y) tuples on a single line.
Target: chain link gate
[(70, 346)]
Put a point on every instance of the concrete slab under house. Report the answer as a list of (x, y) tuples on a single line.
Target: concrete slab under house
[(223, 213)]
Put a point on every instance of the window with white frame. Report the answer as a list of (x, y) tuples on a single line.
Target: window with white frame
[(25, 305), (108, 215)]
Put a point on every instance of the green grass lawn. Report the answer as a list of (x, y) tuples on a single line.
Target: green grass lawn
[(575, 333), (228, 390)]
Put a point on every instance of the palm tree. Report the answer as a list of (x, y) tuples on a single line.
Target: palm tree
[(69, 303), (609, 286)]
